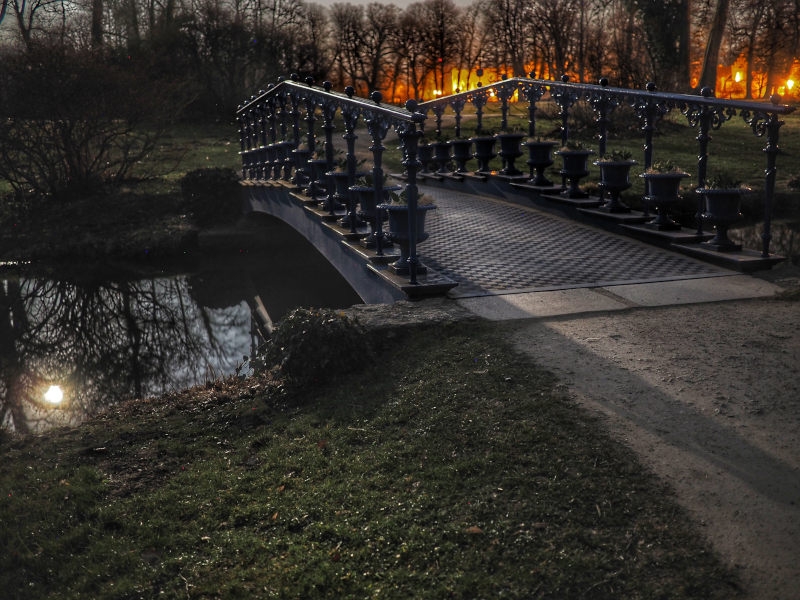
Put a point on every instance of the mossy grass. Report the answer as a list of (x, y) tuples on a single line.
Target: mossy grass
[(451, 468)]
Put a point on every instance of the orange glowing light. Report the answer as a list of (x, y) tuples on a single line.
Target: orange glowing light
[(789, 83), (738, 77)]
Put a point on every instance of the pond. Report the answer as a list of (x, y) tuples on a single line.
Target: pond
[(785, 239), (74, 341)]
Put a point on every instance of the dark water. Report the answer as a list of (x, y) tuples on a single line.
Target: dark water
[(785, 239), (106, 334)]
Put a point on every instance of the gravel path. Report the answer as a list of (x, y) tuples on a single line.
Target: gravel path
[(709, 397)]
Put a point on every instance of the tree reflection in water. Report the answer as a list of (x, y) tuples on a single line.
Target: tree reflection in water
[(107, 342)]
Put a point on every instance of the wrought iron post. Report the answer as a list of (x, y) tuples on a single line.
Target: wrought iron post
[(505, 93), (479, 101), (411, 136), (243, 142), (378, 128), (458, 105), (602, 104), (311, 118), (282, 102), (328, 113), (350, 115), (296, 135), (533, 93), (565, 98), (438, 110), (769, 125), (649, 110)]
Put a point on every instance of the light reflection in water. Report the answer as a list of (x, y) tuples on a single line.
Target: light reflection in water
[(54, 395), (107, 342), (105, 339)]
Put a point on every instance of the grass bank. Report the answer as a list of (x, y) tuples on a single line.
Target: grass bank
[(449, 468)]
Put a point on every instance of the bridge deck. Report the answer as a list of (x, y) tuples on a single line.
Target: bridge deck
[(493, 247)]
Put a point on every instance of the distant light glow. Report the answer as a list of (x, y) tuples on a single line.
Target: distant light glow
[(54, 395), (789, 83), (738, 77)]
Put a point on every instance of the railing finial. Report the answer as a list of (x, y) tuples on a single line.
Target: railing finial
[(327, 85), (281, 79), (775, 99), (349, 90), (565, 78), (604, 81), (294, 77), (411, 105), (651, 86), (377, 97), (707, 92), (309, 81), (504, 76)]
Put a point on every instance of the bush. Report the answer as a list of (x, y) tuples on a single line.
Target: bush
[(74, 120), (213, 195), (314, 345)]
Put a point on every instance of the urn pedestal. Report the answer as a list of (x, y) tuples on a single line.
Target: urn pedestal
[(615, 177), (399, 234), (510, 152), (462, 153), (663, 192), (539, 158), (484, 153), (722, 210), (574, 168)]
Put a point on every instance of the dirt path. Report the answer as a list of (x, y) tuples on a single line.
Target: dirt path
[(709, 397)]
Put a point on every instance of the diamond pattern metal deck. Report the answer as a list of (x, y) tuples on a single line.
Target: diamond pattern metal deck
[(492, 247)]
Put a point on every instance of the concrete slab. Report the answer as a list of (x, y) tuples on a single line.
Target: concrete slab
[(540, 304), (691, 291)]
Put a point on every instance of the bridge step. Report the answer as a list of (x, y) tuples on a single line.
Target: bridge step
[(675, 237), (590, 202), (630, 218), (744, 260)]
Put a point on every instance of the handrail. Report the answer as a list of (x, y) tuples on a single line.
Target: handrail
[(522, 83), (705, 112), (308, 91)]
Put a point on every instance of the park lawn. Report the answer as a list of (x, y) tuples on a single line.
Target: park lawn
[(451, 468)]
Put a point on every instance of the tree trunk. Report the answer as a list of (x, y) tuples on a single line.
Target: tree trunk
[(708, 75), (97, 24)]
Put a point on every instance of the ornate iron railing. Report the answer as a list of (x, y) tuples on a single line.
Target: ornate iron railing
[(272, 144), (704, 112)]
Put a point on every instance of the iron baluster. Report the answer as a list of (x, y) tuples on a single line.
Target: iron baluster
[(769, 125), (439, 112), (311, 118), (411, 137), (296, 114), (350, 115), (505, 93), (649, 110), (602, 104), (533, 93), (458, 105), (565, 98), (378, 127), (479, 101), (328, 113)]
